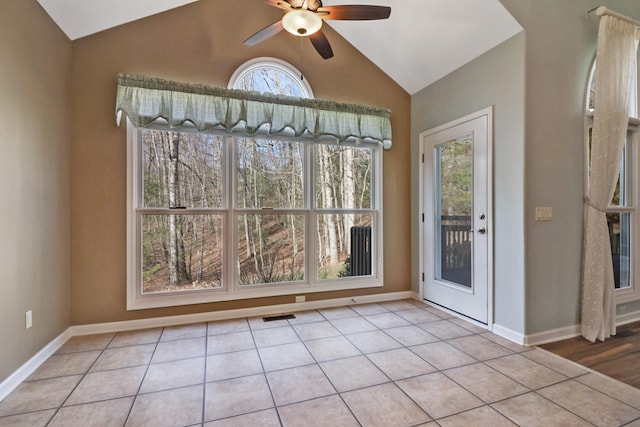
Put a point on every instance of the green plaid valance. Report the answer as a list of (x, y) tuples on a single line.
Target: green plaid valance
[(145, 99)]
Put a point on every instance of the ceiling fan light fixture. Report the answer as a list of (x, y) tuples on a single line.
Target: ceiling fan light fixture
[(301, 22)]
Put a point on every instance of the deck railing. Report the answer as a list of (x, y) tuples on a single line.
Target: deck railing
[(455, 241)]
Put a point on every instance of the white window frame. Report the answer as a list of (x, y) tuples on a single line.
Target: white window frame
[(632, 166), (231, 290), (274, 64)]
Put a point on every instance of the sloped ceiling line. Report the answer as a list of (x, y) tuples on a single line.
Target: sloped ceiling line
[(422, 41)]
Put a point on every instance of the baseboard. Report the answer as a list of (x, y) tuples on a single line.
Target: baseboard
[(29, 367), (509, 334), (269, 310), (574, 331), (552, 335), (626, 318)]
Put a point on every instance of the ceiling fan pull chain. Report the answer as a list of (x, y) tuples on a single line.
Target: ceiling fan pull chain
[(301, 60)]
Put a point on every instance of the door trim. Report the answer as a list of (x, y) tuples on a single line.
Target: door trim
[(488, 112)]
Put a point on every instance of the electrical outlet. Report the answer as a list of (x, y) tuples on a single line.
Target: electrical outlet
[(300, 298), (28, 319)]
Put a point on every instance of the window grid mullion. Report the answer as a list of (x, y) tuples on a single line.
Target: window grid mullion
[(231, 253), (311, 239)]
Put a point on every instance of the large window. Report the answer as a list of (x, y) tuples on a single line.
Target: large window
[(623, 215), (218, 216)]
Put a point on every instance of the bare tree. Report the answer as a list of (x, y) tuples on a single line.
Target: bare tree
[(326, 191)]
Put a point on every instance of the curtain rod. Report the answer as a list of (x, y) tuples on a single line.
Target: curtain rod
[(603, 10)]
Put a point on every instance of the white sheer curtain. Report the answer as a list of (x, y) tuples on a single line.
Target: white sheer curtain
[(615, 58)]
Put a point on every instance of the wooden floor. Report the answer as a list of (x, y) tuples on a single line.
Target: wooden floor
[(617, 357)]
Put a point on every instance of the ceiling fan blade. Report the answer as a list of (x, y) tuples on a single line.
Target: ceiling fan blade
[(265, 33), (280, 4), (356, 12), (321, 43)]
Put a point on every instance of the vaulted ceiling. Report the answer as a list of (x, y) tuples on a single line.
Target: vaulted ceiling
[(422, 41)]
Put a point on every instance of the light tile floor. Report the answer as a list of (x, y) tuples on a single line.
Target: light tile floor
[(400, 363)]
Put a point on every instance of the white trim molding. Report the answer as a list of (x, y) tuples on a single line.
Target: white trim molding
[(626, 318), (30, 366), (552, 335), (270, 310), (573, 331), (509, 334), (229, 214)]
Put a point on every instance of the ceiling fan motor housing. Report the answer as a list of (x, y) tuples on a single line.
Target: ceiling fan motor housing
[(301, 22), (303, 18)]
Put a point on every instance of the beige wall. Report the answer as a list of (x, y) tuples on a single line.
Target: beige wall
[(34, 172), (202, 43)]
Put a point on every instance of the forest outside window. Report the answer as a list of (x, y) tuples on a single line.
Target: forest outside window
[(220, 215)]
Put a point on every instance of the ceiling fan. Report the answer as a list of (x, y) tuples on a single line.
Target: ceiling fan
[(303, 18)]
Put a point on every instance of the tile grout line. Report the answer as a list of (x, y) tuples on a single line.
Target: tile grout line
[(366, 355), (57, 410), (356, 315), (559, 405), (146, 371), (394, 382), (589, 387), (264, 372), (441, 371), (204, 379), (586, 371), (317, 363)]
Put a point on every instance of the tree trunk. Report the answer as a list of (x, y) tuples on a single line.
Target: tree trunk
[(173, 185), (244, 205), (328, 203), (348, 194)]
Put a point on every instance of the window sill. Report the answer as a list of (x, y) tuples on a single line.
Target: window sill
[(142, 302)]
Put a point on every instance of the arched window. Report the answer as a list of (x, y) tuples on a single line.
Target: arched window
[(623, 214), (270, 75), (221, 215)]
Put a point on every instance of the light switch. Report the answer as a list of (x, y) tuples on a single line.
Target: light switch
[(544, 214)]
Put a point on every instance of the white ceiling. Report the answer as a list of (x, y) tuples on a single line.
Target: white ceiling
[(422, 41)]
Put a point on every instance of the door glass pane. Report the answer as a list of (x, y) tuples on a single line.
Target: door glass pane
[(620, 236), (454, 189)]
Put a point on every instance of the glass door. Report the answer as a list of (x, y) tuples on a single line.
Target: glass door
[(457, 233)]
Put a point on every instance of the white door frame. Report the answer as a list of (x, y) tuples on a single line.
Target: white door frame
[(488, 112)]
